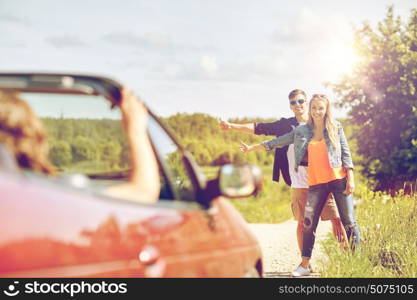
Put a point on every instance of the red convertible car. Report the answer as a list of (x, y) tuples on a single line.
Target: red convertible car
[(64, 226)]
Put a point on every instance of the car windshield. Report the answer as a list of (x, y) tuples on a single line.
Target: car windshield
[(84, 135)]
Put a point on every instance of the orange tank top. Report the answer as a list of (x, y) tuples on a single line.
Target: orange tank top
[(319, 169)]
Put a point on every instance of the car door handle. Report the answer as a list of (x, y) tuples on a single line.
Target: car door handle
[(149, 255)]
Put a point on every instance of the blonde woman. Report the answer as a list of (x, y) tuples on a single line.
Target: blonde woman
[(330, 170), (284, 164)]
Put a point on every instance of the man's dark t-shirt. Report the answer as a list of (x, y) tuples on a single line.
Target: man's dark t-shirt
[(278, 128)]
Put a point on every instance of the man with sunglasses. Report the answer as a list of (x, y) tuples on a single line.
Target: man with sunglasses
[(284, 163)]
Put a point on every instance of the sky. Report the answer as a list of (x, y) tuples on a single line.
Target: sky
[(70, 106), (229, 58)]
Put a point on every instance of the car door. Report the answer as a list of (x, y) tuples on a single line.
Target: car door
[(204, 244), (56, 231), (66, 225)]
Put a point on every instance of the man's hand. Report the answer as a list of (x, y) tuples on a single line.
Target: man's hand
[(338, 231), (224, 125), (246, 128)]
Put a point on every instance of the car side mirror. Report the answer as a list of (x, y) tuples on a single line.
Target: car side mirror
[(239, 181)]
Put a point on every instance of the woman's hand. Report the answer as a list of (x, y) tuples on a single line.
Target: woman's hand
[(144, 182), (350, 184), (245, 148), (133, 110)]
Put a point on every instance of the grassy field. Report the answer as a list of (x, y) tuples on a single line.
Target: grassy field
[(270, 205), (388, 227)]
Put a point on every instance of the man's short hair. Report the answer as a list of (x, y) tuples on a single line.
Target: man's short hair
[(295, 93)]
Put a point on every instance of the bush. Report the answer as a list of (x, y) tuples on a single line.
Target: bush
[(60, 154)]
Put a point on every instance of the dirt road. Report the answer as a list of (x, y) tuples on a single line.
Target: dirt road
[(280, 250)]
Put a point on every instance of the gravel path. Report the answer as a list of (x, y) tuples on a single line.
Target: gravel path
[(280, 250)]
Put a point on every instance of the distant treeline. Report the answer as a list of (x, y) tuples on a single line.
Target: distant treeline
[(201, 135), (100, 145), (87, 145)]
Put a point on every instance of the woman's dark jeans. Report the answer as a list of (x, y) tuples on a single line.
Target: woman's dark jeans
[(317, 196)]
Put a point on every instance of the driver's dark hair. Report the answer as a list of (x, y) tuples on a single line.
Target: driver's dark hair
[(296, 92)]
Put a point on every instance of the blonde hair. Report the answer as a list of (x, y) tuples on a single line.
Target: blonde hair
[(329, 122), (22, 133)]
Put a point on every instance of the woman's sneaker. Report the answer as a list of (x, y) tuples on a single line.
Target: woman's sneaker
[(300, 271)]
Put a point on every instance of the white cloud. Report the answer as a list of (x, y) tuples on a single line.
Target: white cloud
[(264, 68), (65, 41), (209, 64), (313, 27), (127, 38), (172, 70), (11, 19), (157, 39)]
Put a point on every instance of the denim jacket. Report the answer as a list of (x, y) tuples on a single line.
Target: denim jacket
[(300, 136)]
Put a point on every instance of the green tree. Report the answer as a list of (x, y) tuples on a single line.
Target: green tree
[(65, 129), (110, 153), (124, 159), (60, 154), (83, 149), (382, 99), (201, 135)]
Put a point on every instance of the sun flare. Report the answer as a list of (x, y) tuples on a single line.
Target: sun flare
[(339, 59)]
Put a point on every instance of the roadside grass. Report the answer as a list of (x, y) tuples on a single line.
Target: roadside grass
[(270, 205), (388, 228), (387, 224)]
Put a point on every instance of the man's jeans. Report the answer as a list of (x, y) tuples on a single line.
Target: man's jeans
[(317, 196)]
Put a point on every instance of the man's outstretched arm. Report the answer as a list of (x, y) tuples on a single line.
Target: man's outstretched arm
[(247, 127)]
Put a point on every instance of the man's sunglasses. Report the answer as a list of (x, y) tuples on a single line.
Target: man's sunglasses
[(294, 102)]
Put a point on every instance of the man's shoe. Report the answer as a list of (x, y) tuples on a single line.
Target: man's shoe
[(300, 271)]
